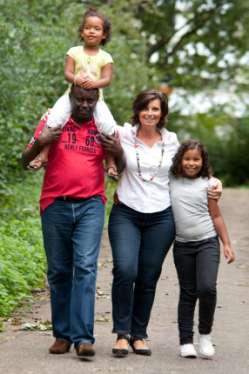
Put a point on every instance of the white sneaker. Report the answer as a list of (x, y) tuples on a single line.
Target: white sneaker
[(188, 351), (206, 348)]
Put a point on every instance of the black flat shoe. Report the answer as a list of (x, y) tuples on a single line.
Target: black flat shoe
[(139, 351), (121, 352)]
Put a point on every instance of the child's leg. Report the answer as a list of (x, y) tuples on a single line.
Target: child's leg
[(207, 265), (40, 160), (60, 112), (111, 167), (104, 119), (57, 117), (185, 262)]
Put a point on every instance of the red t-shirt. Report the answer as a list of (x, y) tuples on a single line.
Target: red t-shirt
[(75, 163)]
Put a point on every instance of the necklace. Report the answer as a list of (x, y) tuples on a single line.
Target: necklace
[(152, 177)]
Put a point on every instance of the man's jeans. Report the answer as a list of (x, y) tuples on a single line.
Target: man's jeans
[(72, 234), (140, 242)]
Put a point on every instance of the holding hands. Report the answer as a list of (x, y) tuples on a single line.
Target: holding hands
[(85, 80)]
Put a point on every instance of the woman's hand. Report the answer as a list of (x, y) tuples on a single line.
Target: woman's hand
[(215, 188)]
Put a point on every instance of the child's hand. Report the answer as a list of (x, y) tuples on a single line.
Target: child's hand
[(229, 254), (88, 83)]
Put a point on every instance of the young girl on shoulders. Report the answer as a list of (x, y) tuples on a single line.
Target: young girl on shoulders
[(199, 224), (88, 66)]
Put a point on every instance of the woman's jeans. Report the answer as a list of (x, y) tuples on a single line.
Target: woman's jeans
[(197, 265), (72, 234), (139, 242)]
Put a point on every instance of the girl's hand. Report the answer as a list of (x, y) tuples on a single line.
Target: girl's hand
[(229, 254), (88, 84)]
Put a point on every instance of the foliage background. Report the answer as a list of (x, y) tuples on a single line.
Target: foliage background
[(193, 46)]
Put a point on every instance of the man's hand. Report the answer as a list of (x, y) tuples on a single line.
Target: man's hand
[(111, 143), (48, 135)]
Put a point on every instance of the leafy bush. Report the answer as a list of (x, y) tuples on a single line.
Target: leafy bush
[(22, 260)]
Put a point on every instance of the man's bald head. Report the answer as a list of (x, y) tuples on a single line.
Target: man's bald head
[(83, 102)]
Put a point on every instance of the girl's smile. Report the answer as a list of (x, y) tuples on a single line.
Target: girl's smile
[(93, 31), (192, 163)]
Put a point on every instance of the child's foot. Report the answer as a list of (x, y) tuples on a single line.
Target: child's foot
[(188, 351), (206, 348), (36, 164), (112, 173)]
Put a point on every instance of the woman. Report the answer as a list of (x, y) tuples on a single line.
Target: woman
[(141, 226)]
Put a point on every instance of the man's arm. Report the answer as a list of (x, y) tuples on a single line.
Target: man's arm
[(111, 143), (47, 136)]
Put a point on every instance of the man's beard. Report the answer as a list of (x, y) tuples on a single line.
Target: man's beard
[(82, 117)]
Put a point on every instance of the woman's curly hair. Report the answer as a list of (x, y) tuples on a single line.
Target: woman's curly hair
[(176, 168), (92, 12)]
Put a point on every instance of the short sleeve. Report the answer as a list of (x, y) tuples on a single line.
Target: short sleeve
[(73, 52), (106, 58), (38, 130)]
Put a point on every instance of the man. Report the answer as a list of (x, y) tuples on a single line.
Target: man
[(72, 214)]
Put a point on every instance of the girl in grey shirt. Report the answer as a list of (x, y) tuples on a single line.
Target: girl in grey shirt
[(199, 223)]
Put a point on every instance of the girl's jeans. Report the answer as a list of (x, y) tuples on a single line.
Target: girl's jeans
[(197, 265), (139, 244)]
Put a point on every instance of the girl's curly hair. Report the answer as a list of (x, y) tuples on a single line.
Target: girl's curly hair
[(92, 12), (176, 168)]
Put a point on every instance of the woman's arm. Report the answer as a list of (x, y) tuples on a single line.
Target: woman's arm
[(221, 229), (69, 69), (215, 188)]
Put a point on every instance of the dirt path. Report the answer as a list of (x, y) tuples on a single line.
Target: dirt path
[(25, 352)]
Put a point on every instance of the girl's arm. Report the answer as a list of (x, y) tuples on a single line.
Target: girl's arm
[(221, 229), (69, 69), (104, 81)]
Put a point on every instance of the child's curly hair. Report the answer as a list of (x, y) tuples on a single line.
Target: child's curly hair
[(92, 12), (176, 168)]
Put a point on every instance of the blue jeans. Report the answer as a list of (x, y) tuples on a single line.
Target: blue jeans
[(139, 242), (72, 234)]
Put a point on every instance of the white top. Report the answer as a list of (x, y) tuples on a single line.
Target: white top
[(146, 197), (190, 208)]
